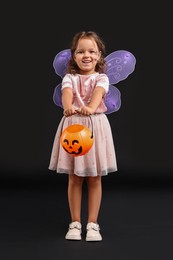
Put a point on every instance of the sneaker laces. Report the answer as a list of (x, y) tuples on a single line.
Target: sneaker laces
[(75, 224), (94, 226)]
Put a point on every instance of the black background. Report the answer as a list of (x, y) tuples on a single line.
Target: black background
[(142, 128), (138, 198)]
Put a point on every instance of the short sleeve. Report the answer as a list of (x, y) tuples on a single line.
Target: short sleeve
[(66, 82), (103, 81)]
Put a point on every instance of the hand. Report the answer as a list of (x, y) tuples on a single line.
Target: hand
[(69, 111), (85, 110)]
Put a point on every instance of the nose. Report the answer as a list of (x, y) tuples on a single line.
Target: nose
[(86, 54)]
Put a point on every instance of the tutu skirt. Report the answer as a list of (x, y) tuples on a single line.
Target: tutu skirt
[(99, 160)]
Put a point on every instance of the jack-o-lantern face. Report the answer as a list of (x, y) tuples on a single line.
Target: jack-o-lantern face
[(72, 148), (76, 140)]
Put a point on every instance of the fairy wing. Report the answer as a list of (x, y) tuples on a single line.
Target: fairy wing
[(119, 64), (112, 100), (57, 95), (60, 62)]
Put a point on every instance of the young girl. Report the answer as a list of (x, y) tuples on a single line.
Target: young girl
[(83, 93)]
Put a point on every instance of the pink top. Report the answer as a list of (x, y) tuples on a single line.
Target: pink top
[(83, 86)]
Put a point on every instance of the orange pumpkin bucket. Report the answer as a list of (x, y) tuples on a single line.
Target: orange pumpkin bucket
[(77, 139)]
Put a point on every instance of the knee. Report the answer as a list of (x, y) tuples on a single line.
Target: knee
[(75, 180), (93, 181)]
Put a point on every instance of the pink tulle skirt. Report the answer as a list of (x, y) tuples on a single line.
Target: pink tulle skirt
[(99, 160)]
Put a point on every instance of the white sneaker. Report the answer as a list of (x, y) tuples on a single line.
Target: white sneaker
[(74, 231), (93, 232)]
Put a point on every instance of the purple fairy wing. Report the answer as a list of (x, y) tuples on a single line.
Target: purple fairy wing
[(60, 62), (112, 100), (57, 95), (119, 64), (60, 65)]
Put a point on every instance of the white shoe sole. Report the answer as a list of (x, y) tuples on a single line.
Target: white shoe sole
[(73, 237), (93, 239)]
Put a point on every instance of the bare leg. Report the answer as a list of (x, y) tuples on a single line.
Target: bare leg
[(75, 196), (94, 197)]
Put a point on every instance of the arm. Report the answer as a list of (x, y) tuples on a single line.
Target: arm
[(97, 96), (67, 99)]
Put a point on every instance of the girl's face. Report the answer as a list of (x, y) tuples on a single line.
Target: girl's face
[(86, 56)]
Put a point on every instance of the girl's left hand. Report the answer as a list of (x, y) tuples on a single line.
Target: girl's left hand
[(85, 110)]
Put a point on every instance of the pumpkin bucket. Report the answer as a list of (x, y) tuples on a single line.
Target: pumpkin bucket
[(77, 139)]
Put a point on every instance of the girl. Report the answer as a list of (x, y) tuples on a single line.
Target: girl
[(83, 93)]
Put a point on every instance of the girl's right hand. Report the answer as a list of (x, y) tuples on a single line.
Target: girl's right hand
[(69, 111)]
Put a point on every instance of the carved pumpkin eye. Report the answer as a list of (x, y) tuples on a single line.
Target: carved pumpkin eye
[(76, 140)]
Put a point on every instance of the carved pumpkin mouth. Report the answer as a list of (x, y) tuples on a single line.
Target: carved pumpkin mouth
[(73, 152)]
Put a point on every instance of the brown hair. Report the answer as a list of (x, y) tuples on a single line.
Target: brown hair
[(72, 67)]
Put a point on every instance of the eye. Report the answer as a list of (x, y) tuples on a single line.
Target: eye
[(74, 141), (79, 52), (93, 52), (66, 141)]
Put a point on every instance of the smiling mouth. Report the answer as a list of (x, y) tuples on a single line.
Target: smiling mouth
[(86, 61)]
